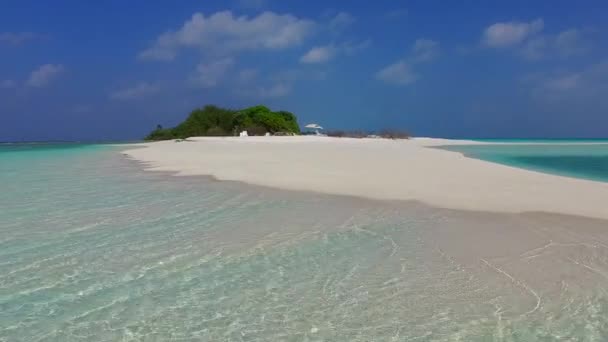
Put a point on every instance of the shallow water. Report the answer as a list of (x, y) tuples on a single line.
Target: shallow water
[(578, 158), (93, 248)]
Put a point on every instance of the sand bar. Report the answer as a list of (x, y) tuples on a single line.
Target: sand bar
[(378, 169)]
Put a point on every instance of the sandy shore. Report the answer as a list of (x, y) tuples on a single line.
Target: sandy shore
[(378, 169)]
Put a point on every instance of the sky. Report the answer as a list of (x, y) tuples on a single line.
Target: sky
[(114, 69)]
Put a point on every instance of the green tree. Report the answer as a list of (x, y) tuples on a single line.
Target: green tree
[(262, 116), (201, 120), (290, 120), (160, 134), (215, 121)]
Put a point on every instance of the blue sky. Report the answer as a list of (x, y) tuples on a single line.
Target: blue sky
[(84, 70)]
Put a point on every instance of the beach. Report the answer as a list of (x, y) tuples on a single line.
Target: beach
[(94, 247), (303, 171), (379, 169)]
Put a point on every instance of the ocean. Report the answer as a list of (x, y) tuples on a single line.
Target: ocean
[(92, 248), (587, 159)]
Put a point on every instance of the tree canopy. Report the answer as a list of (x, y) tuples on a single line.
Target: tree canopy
[(215, 121)]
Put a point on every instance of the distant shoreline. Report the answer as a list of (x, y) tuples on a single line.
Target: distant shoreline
[(482, 140), (378, 169), (91, 142)]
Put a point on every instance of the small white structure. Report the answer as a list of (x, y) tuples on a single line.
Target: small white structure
[(243, 134), (314, 127)]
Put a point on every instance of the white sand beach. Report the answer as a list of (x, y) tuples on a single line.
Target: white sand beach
[(377, 169)]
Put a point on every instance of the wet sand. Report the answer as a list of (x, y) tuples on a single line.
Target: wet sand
[(404, 270)]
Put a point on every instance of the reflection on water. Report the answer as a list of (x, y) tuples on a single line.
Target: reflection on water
[(92, 249)]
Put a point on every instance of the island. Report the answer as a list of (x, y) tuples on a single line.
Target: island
[(216, 121)]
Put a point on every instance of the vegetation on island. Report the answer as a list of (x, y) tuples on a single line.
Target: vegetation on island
[(257, 120), (216, 121), (383, 133)]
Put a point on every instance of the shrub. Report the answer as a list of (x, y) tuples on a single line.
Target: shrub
[(272, 122), (347, 134), (336, 134), (216, 132), (291, 123), (393, 134), (160, 134), (200, 121), (256, 130)]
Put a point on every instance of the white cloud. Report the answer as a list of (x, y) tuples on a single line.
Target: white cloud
[(566, 82), (249, 83), (252, 84), (16, 38), (350, 48), (208, 75), (571, 42), (341, 21), (224, 33), (500, 35), (247, 75), (528, 40), (565, 44), (319, 54), (397, 73), (535, 48), (401, 72), (139, 90), (585, 83), (425, 50), (276, 90), (5, 84), (325, 53), (293, 75), (44, 75)]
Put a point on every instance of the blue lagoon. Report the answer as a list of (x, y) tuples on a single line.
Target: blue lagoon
[(92, 248), (586, 159)]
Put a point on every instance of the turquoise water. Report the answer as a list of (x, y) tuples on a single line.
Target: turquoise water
[(586, 159), (546, 141), (94, 249)]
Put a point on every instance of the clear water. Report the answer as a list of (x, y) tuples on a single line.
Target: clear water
[(93, 249), (582, 159)]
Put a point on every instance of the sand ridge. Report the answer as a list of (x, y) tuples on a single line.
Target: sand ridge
[(378, 169)]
